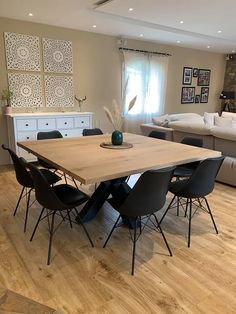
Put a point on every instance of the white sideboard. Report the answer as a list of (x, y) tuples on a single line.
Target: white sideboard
[(25, 126)]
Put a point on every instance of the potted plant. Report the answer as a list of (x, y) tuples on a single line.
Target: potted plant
[(6, 96)]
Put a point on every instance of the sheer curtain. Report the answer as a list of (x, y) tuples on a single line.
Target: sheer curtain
[(147, 76)]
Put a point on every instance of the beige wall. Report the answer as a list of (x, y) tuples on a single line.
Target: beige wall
[(97, 70)]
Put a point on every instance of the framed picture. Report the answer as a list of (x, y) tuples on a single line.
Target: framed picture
[(204, 94), (195, 72), (188, 95), (203, 77), (197, 99), (187, 76)]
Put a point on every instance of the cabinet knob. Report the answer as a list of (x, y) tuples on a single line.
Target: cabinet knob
[(65, 122), (27, 124), (82, 121), (65, 134), (27, 137), (46, 123)]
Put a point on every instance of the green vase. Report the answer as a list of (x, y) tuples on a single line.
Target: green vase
[(117, 138)]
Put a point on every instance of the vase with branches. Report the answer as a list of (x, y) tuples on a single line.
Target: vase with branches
[(117, 116)]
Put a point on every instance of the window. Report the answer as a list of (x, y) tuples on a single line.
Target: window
[(146, 75)]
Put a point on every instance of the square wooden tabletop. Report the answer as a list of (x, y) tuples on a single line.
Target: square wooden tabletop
[(84, 159)]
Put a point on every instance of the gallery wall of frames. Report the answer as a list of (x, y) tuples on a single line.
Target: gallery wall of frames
[(40, 71), (196, 84)]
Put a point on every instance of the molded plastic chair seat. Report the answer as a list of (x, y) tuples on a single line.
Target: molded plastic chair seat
[(69, 195), (144, 199), (187, 170), (197, 187), (24, 178), (90, 132), (60, 199)]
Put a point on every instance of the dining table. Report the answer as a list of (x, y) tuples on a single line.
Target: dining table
[(92, 159)]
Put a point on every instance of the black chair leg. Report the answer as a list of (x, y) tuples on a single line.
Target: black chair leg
[(134, 247), (86, 231), (169, 206), (213, 221), (177, 205), (19, 199), (65, 178), (27, 209), (186, 208), (68, 214), (190, 220), (113, 228), (163, 235), (75, 183), (51, 231), (37, 223)]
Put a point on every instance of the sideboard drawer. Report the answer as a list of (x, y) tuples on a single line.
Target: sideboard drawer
[(82, 122), (65, 123), (25, 125), (47, 124), (26, 136), (71, 133)]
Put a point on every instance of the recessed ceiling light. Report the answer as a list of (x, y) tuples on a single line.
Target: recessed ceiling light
[(30, 14), (233, 51), (94, 26), (141, 35), (131, 9), (208, 47), (181, 22), (178, 41), (219, 32)]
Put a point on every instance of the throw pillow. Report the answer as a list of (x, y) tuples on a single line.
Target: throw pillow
[(209, 118), (223, 122), (161, 121)]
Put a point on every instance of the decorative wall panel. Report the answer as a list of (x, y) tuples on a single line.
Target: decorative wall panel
[(57, 56), (59, 91), (22, 52), (26, 88)]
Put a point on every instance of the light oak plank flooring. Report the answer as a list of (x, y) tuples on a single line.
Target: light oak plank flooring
[(82, 279)]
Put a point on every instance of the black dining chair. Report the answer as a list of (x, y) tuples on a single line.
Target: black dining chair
[(186, 170), (195, 189), (157, 134), (89, 132), (146, 197), (24, 178), (61, 199), (46, 135)]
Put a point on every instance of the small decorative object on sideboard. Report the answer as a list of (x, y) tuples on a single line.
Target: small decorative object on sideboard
[(80, 101), (6, 96), (118, 120)]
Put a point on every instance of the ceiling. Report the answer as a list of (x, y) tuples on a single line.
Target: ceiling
[(207, 24)]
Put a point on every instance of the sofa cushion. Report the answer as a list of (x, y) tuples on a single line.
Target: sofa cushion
[(194, 128), (226, 114), (223, 122), (161, 121), (185, 117), (209, 118), (224, 133)]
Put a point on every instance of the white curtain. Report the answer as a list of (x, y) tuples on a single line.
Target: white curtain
[(147, 76)]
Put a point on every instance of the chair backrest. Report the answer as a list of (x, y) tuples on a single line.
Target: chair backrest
[(157, 134), (22, 175), (202, 181), (149, 193), (43, 191), (49, 135), (88, 132), (198, 142)]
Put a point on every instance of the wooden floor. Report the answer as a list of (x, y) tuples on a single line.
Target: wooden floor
[(81, 279)]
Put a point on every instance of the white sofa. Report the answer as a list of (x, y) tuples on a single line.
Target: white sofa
[(220, 136)]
